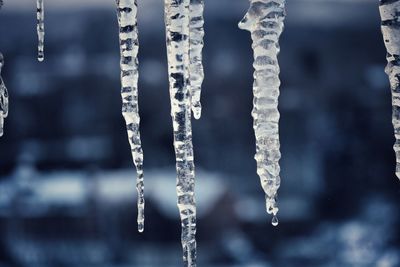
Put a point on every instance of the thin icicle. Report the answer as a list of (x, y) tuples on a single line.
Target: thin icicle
[(3, 98), (40, 28), (129, 47), (196, 58), (177, 30), (390, 14), (264, 20)]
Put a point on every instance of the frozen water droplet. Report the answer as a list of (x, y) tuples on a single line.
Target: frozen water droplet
[(275, 221)]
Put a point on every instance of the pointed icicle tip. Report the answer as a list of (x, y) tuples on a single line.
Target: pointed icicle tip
[(244, 24)]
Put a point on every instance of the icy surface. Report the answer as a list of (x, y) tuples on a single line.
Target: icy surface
[(196, 58), (264, 20), (129, 46), (177, 22), (390, 14), (3, 98)]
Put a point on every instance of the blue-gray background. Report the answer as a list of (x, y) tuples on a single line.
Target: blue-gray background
[(67, 183)]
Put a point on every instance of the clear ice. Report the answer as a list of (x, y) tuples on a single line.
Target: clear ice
[(177, 20), (129, 48), (40, 28), (390, 15), (3, 98), (264, 20), (196, 49)]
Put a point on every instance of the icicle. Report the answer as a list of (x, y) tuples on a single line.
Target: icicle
[(177, 30), (264, 20), (3, 98), (129, 47), (40, 29), (390, 14), (196, 59)]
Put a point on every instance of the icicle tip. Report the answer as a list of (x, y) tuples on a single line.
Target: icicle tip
[(197, 111), (140, 227)]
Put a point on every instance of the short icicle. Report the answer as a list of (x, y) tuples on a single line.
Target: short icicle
[(129, 48), (264, 20), (40, 28), (3, 98), (177, 20), (390, 15), (196, 58)]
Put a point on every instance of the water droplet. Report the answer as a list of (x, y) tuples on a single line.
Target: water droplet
[(275, 221), (141, 227)]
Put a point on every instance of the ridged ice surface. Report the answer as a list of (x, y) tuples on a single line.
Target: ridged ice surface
[(40, 28), (129, 48), (196, 58), (390, 14), (264, 20), (177, 30), (3, 98)]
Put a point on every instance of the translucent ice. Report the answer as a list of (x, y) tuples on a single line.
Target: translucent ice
[(177, 20), (129, 48), (390, 14), (196, 59), (40, 28), (264, 20), (3, 98)]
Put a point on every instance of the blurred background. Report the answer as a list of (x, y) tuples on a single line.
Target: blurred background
[(67, 182)]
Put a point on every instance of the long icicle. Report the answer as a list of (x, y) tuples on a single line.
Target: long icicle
[(3, 98), (196, 58), (177, 14), (129, 48), (40, 28), (264, 20), (390, 14)]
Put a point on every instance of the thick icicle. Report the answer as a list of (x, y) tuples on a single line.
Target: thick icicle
[(129, 48), (40, 28), (196, 58), (3, 98), (264, 20), (390, 14), (177, 30)]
